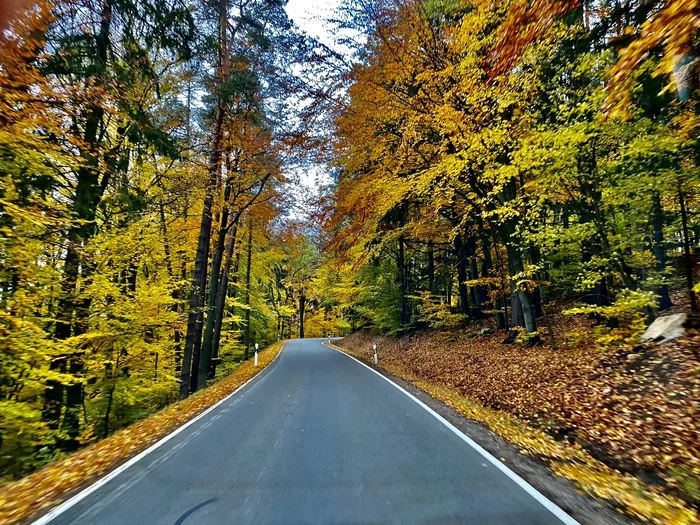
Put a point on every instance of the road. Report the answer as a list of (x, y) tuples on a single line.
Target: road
[(317, 438)]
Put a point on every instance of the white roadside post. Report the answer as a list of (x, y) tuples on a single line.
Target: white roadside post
[(375, 352), (256, 354)]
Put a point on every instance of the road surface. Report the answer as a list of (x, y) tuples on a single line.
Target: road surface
[(317, 438)]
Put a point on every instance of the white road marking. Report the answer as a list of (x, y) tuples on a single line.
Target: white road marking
[(532, 491), (63, 507)]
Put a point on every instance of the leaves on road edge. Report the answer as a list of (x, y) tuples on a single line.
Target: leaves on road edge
[(568, 460), (51, 485)]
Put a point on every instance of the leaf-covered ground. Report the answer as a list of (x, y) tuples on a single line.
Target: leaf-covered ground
[(49, 486), (622, 424)]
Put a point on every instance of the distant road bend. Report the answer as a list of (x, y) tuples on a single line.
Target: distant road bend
[(318, 438)]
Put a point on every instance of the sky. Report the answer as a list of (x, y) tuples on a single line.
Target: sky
[(310, 16)]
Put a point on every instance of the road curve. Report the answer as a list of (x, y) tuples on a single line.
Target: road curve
[(317, 438)]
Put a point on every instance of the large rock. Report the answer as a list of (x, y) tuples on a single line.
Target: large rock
[(665, 329)]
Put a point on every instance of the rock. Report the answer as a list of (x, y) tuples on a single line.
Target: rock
[(633, 357), (486, 331), (665, 329)]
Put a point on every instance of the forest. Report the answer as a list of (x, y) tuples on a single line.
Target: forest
[(146, 243), (494, 166)]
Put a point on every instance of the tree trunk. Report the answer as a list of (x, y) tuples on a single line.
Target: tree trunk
[(302, 306), (214, 287), (478, 291), (486, 268), (516, 310), (537, 294), (53, 395), (246, 340), (686, 251), (221, 302), (88, 193), (447, 278), (460, 256), (515, 265), (175, 294), (431, 268), (190, 357), (401, 264), (113, 374), (233, 290), (660, 251)]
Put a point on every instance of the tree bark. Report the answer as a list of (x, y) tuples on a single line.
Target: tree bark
[(686, 252), (233, 290), (221, 302), (190, 358), (214, 286), (460, 256), (88, 193), (478, 291), (486, 268), (535, 259), (524, 298), (302, 306), (431, 268), (246, 339), (660, 251)]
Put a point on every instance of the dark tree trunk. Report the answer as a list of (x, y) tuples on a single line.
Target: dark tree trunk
[(686, 252), (515, 265), (660, 251), (246, 340), (402, 283), (221, 302), (598, 295), (88, 193), (190, 358), (478, 291), (233, 289), (460, 257), (214, 286), (486, 268), (302, 307), (74, 401), (516, 310), (175, 294), (53, 395), (537, 294), (431, 268), (113, 374), (195, 318), (447, 278)]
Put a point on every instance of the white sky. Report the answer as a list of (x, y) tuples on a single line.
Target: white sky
[(310, 16)]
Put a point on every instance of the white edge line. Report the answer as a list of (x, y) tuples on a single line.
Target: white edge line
[(63, 507), (532, 491)]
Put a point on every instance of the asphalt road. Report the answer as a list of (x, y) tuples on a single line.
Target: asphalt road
[(318, 438)]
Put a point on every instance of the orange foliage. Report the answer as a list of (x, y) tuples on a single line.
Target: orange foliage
[(527, 21)]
